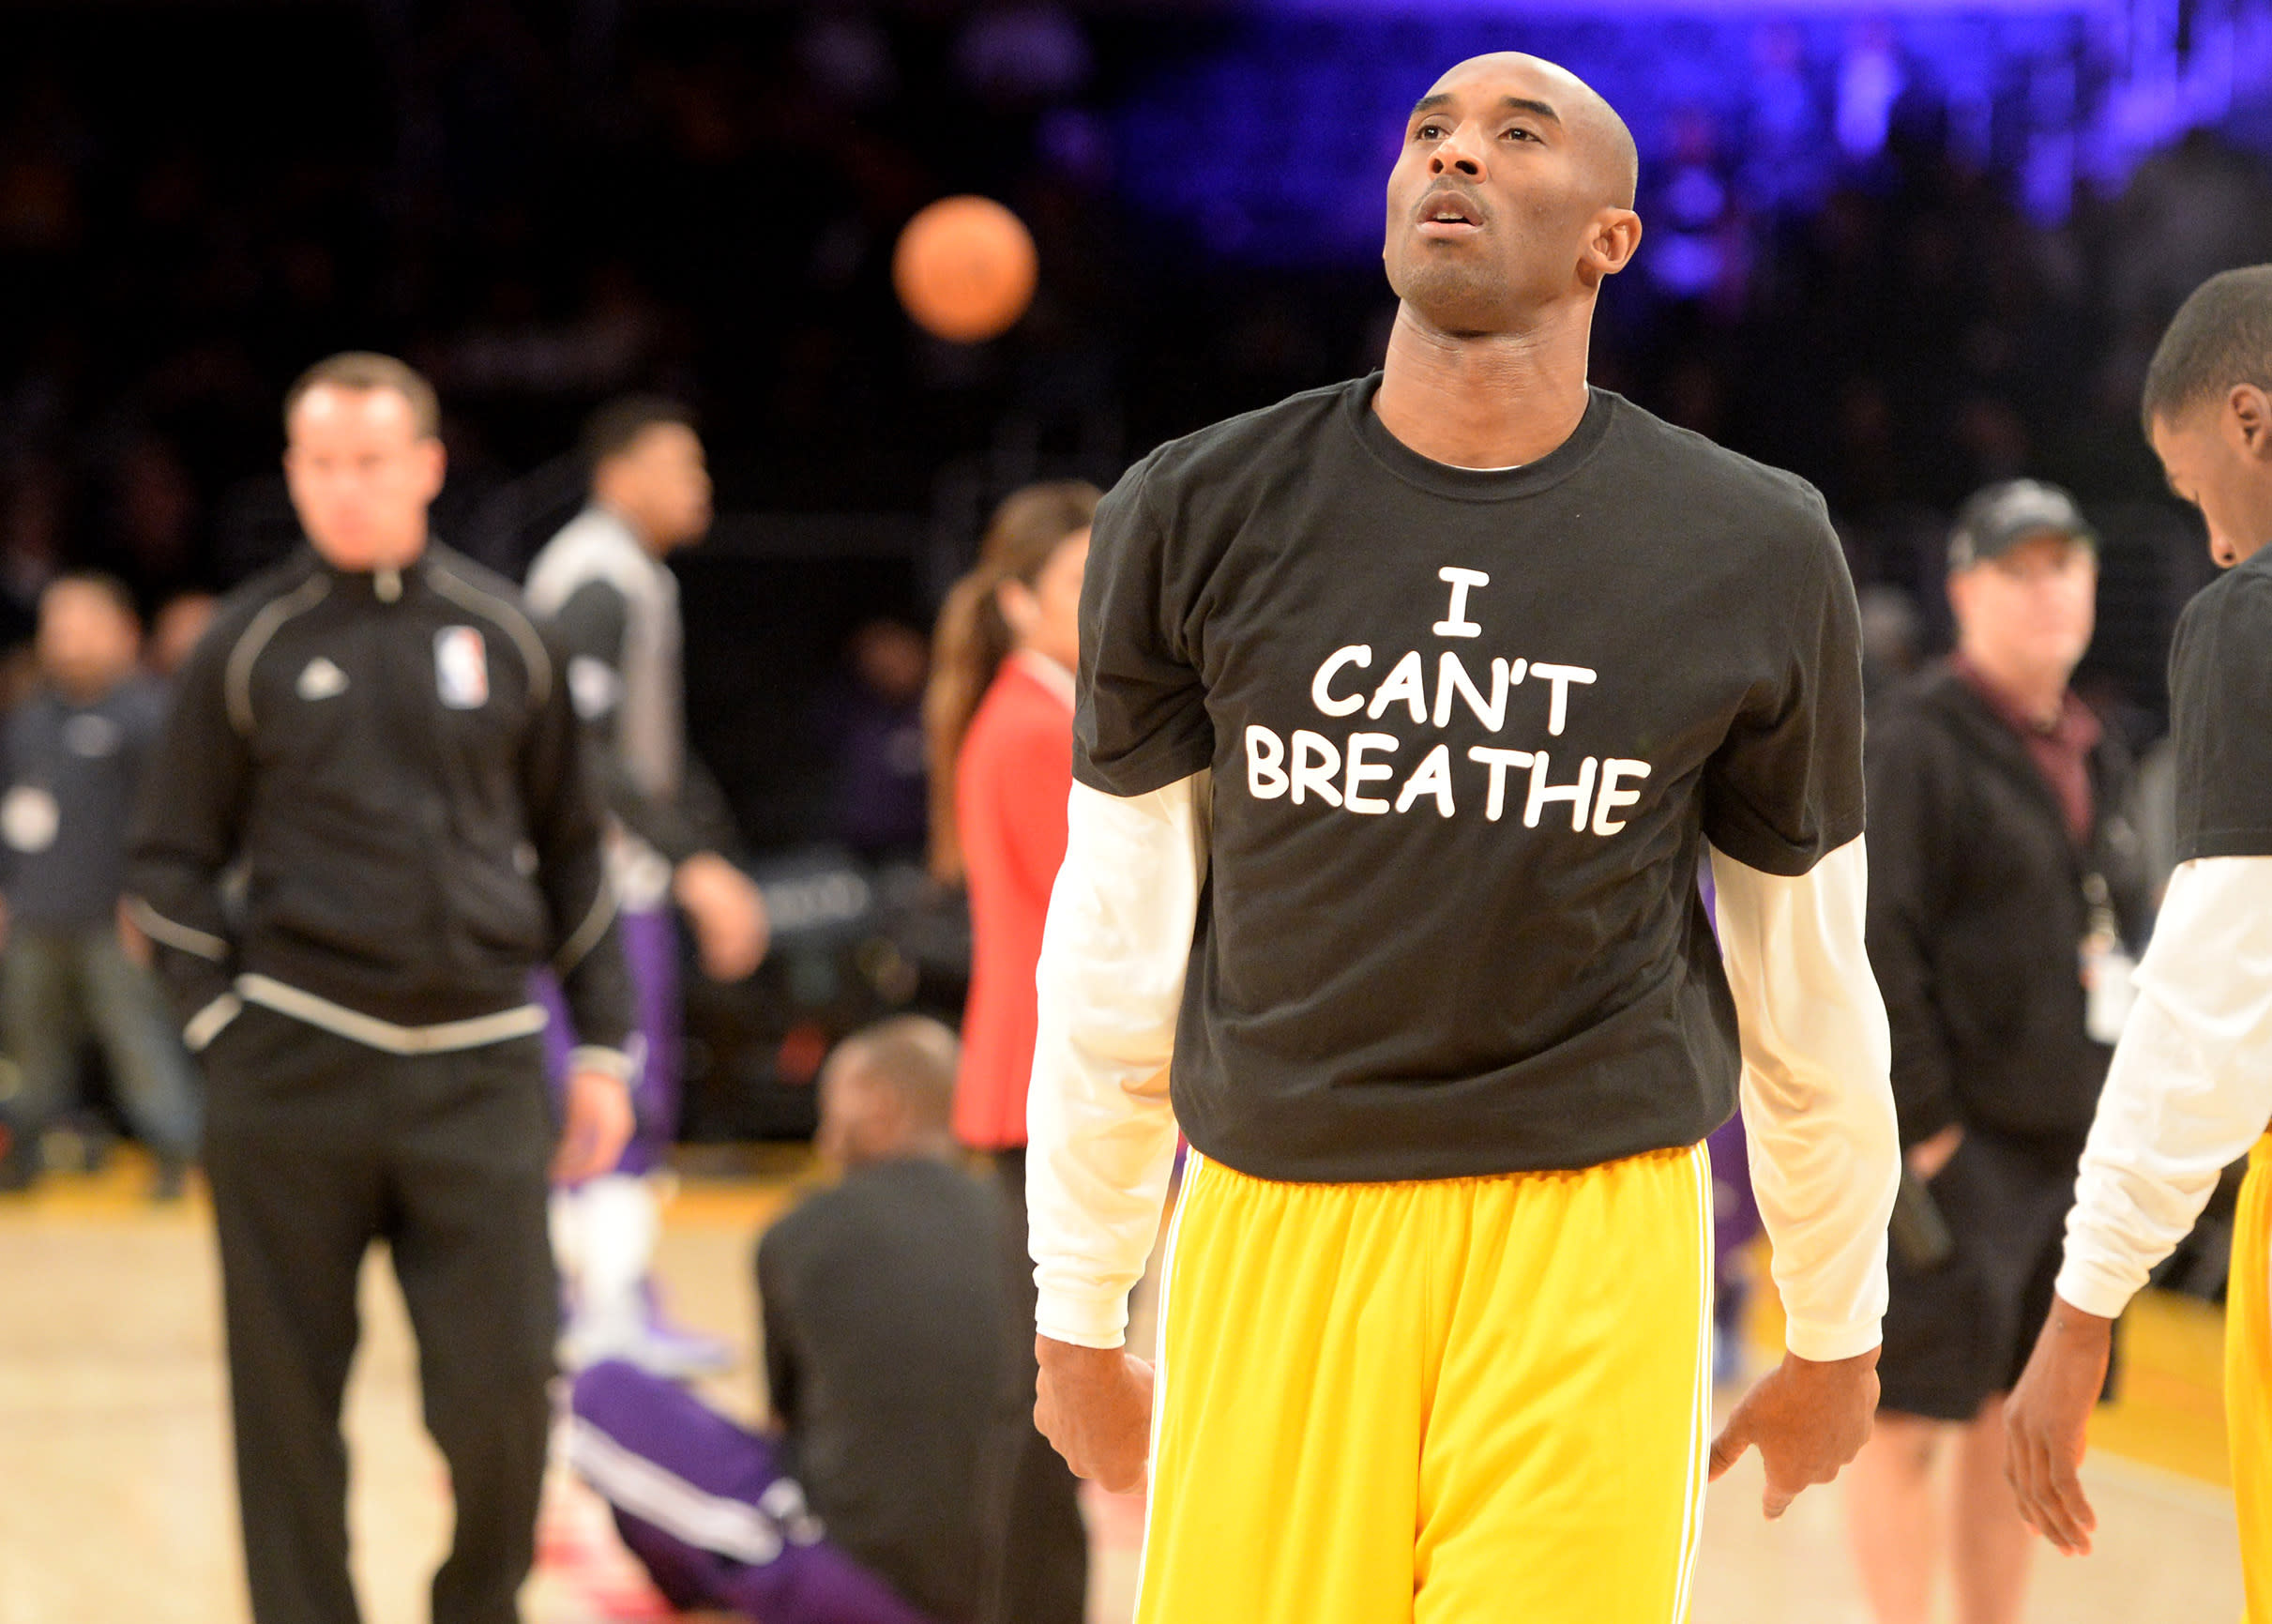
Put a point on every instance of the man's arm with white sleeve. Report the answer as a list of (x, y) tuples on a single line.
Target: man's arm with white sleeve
[(1101, 1136), (1817, 1099), (2190, 1085), (1824, 1151), (2189, 1089)]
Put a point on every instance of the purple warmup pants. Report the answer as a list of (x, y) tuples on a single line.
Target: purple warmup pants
[(650, 948), (1734, 1209), (703, 1504)]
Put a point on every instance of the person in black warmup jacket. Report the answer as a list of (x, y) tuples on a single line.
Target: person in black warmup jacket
[(368, 821)]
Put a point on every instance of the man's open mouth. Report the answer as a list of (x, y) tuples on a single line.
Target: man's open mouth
[(1449, 214)]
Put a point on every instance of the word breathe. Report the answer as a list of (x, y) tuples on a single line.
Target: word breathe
[(1307, 764)]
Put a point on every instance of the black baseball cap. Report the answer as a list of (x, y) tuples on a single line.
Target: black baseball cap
[(1997, 518)]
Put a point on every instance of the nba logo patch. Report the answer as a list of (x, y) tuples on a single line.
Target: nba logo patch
[(462, 667)]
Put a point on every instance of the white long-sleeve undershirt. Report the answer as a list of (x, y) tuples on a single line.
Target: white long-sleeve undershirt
[(1817, 1091), (1102, 1136), (2189, 1088)]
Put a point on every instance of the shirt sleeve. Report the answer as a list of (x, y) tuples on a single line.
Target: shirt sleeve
[(1142, 722), (1785, 785), (2190, 1085), (188, 808), (1909, 827), (1817, 1103), (591, 627), (565, 828), (1101, 1136), (2221, 691), (784, 1391)]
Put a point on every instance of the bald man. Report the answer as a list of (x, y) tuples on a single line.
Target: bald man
[(1408, 709)]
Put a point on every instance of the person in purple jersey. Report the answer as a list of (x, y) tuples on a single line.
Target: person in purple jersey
[(886, 1333), (604, 585)]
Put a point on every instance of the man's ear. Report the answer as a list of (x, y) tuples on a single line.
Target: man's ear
[(2248, 418), (437, 467), (1610, 245)]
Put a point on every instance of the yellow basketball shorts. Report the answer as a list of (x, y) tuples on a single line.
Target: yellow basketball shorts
[(1452, 1402), (2248, 1379)]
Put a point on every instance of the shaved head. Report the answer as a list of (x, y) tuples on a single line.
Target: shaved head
[(1511, 199), (1611, 156)]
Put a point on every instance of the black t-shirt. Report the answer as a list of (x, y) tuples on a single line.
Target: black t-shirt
[(1468, 730), (2221, 714), (886, 1338)]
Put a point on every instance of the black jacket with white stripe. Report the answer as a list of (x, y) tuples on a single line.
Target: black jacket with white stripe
[(371, 810)]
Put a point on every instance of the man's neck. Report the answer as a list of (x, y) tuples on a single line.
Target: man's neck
[(940, 1147), (1494, 401), (2037, 694), (397, 558), (647, 544)]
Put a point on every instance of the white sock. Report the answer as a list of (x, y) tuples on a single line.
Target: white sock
[(617, 1222)]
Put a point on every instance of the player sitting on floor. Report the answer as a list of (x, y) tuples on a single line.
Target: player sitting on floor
[(886, 1334)]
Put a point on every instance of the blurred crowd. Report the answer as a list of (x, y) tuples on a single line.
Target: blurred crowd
[(1851, 270)]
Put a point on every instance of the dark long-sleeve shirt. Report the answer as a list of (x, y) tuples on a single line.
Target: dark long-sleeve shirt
[(886, 1336), (393, 764)]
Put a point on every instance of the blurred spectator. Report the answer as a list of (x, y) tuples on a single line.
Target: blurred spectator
[(1887, 322), (1000, 720), (885, 1327), (2004, 882), (175, 630), (604, 585), (875, 725), (75, 965)]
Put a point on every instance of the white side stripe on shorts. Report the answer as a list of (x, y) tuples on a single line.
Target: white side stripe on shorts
[(655, 1495), (1192, 1162)]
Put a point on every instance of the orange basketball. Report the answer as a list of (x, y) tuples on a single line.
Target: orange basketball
[(965, 268)]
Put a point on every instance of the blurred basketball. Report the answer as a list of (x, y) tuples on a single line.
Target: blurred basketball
[(965, 268)]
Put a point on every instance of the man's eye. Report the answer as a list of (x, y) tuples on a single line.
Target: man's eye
[(1519, 133), (1428, 132)]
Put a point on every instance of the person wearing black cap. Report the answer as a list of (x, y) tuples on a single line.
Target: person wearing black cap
[(2005, 886), (369, 819)]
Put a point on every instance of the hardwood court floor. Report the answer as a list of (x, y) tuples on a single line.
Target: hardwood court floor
[(115, 1501)]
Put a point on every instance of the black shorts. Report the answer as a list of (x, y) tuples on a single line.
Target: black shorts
[(1960, 1333)]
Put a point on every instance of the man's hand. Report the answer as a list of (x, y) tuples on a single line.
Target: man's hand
[(2044, 1420), (599, 1125), (1928, 1156), (1095, 1406), (1805, 1418), (728, 914)]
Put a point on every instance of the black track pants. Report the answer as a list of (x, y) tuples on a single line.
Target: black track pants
[(316, 1146)]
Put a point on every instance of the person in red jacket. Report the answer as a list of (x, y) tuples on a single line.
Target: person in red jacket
[(999, 720)]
